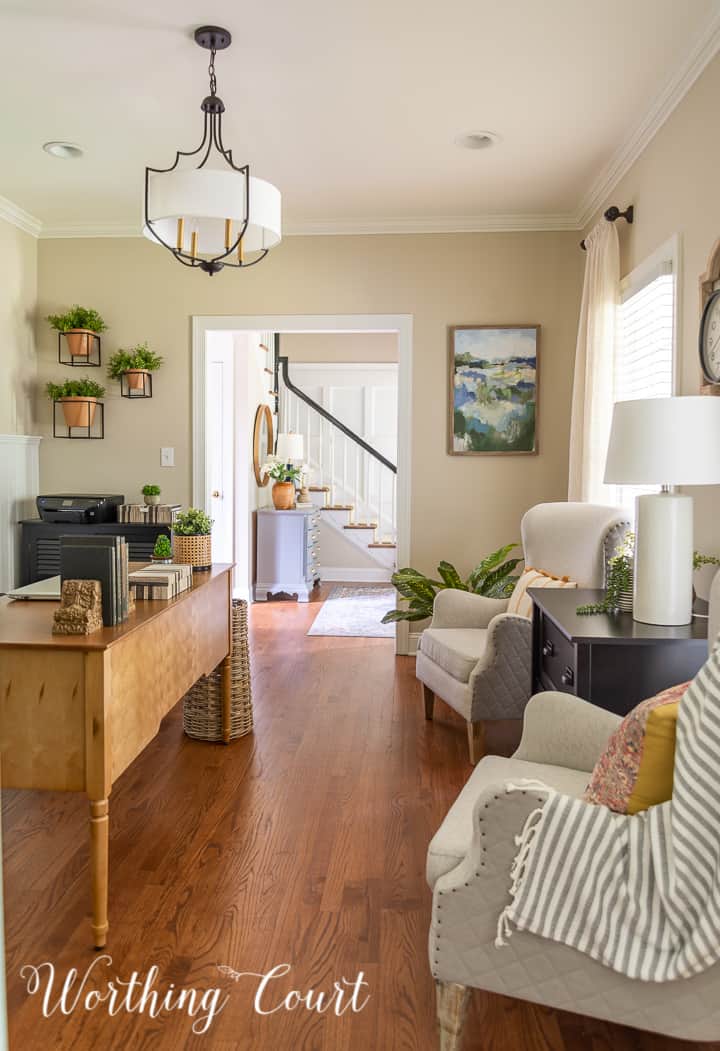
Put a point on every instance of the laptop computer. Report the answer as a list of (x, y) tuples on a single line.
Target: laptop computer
[(44, 590)]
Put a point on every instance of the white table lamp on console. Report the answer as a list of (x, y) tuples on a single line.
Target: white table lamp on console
[(665, 442)]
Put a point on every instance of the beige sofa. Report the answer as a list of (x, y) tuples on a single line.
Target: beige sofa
[(468, 869)]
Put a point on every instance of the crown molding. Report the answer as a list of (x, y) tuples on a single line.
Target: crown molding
[(444, 224), (17, 216), (642, 134), (109, 229)]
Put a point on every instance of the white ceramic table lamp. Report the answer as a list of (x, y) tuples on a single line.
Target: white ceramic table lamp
[(666, 442), (290, 447)]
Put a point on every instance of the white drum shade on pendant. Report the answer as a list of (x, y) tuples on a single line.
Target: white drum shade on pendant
[(290, 447), (205, 198)]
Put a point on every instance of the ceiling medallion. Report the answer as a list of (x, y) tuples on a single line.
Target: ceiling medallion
[(212, 217)]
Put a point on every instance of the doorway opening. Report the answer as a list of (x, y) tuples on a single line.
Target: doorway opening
[(341, 383)]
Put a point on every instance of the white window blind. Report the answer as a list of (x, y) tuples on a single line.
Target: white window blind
[(644, 357)]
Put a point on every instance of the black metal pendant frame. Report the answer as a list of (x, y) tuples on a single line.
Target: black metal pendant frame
[(91, 360), (87, 431), (213, 108), (126, 391)]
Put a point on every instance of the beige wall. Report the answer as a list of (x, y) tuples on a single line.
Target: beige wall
[(18, 293), (674, 186), (462, 506), (341, 347)]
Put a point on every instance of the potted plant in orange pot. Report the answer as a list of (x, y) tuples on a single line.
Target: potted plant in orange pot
[(135, 365), (284, 476), (78, 399), (192, 541), (79, 325)]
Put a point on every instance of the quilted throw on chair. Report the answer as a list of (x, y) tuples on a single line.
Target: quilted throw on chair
[(640, 893)]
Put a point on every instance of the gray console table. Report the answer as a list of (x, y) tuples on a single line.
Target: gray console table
[(287, 553), (608, 659)]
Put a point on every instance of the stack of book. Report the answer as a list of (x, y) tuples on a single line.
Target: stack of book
[(160, 581), (103, 558), (148, 514)]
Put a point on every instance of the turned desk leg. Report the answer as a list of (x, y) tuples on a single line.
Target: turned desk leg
[(226, 698), (99, 826)]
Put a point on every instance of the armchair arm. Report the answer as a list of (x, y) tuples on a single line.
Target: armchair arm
[(563, 730), (462, 609), (501, 682)]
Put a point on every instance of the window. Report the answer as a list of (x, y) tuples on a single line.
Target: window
[(645, 345)]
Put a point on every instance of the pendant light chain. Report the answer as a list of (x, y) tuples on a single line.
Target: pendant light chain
[(211, 73)]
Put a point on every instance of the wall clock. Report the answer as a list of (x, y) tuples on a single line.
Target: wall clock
[(709, 344), (263, 442)]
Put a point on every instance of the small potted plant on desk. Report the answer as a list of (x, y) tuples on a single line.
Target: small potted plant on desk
[(192, 540), (134, 366), (284, 476), (78, 398), (162, 552), (151, 494), (79, 325)]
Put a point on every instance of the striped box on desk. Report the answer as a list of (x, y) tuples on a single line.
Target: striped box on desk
[(160, 581)]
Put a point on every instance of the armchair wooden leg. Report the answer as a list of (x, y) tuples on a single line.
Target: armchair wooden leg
[(452, 1005), (429, 698), (476, 741)]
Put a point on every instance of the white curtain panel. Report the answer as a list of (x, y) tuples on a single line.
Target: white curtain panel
[(594, 360)]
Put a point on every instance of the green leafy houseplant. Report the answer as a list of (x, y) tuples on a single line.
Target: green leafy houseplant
[(193, 522), (139, 358), (77, 317), (279, 471), (151, 490), (492, 577), (163, 547), (82, 388)]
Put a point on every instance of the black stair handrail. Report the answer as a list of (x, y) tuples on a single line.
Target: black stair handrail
[(283, 362)]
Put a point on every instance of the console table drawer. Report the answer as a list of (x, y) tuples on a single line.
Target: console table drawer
[(557, 658)]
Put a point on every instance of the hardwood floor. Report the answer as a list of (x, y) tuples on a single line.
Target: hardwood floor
[(304, 844)]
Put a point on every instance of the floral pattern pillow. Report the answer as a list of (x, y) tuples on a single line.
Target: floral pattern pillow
[(617, 771)]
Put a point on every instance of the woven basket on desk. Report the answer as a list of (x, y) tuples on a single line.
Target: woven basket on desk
[(202, 705), (195, 551)]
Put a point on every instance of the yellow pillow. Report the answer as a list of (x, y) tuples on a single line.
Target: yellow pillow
[(635, 771), (520, 602)]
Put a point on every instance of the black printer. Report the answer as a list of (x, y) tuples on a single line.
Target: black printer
[(79, 508)]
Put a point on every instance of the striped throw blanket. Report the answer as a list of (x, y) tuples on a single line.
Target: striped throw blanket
[(640, 894)]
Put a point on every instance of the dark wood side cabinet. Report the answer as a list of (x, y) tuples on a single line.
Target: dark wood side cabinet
[(40, 543), (608, 659)]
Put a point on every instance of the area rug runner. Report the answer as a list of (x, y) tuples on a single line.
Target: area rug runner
[(356, 610), (639, 893)]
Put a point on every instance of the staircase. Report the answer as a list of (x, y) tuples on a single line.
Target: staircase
[(353, 484)]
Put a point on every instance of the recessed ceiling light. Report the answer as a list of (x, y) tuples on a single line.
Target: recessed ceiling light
[(65, 150), (476, 140)]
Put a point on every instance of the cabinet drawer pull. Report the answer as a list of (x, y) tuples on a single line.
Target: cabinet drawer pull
[(548, 649), (568, 676)]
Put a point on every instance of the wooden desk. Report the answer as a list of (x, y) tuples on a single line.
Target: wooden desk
[(75, 710)]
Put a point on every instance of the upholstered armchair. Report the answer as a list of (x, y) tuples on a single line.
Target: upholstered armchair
[(468, 870), (477, 657)]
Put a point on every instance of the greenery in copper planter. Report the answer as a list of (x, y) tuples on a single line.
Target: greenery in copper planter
[(493, 577), (139, 358), (77, 317), (192, 522)]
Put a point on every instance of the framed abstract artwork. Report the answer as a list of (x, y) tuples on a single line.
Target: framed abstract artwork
[(493, 389)]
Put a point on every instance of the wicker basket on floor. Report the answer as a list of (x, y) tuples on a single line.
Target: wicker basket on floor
[(202, 705)]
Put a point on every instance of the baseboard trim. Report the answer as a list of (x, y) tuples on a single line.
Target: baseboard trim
[(355, 576)]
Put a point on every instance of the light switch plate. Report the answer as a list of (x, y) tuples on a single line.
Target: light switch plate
[(167, 457)]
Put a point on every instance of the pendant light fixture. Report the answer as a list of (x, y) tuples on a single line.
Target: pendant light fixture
[(212, 217)]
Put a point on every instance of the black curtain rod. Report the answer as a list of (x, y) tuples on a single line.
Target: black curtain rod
[(613, 213)]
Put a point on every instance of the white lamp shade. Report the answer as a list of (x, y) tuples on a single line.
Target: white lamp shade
[(205, 198), (665, 441), (290, 447)]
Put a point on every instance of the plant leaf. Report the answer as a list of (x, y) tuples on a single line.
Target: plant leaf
[(451, 577)]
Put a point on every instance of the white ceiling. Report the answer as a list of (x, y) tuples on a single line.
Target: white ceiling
[(350, 108)]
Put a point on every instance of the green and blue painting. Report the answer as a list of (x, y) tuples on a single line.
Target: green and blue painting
[(494, 389)]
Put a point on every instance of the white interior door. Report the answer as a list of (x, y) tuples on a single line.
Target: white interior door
[(219, 463)]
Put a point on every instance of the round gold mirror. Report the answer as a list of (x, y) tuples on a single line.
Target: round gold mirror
[(262, 441)]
